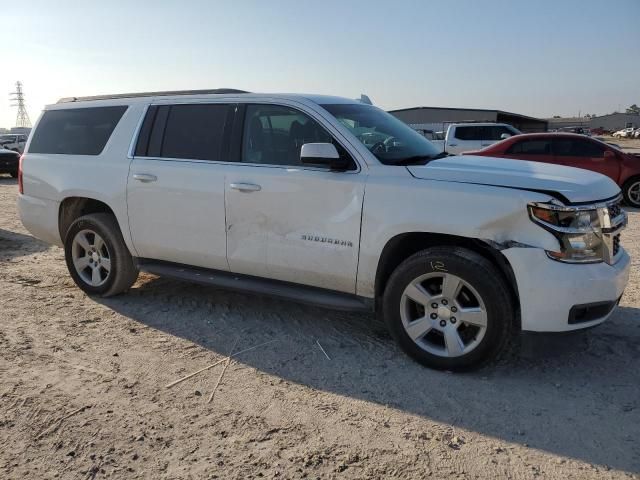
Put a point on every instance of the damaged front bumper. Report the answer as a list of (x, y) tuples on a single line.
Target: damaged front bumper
[(552, 292)]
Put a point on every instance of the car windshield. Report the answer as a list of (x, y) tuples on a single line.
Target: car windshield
[(389, 139)]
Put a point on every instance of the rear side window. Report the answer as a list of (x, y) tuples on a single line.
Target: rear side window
[(577, 148), (75, 131), (194, 131), (468, 133), (530, 147)]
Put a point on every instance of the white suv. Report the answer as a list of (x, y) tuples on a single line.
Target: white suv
[(325, 201), (465, 137)]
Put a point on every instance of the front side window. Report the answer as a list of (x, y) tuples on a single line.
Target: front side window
[(75, 131), (392, 141), (530, 147), (274, 135)]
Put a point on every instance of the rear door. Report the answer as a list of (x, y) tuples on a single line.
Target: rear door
[(463, 139), (285, 220), (175, 190), (587, 154)]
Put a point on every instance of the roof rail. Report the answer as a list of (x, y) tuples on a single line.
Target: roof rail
[(152, 94)]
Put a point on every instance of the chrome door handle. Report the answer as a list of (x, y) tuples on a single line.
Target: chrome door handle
[(246, 187), (145, 177)]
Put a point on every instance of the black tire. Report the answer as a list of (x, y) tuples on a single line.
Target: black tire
[(626, 192), (482, 276), (123, 270)]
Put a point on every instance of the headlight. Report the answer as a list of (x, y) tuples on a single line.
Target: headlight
[(578, 231)]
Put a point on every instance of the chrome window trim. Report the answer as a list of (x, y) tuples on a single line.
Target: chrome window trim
[(244, 164)]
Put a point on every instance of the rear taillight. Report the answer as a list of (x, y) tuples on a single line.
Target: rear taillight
[(20, 184)]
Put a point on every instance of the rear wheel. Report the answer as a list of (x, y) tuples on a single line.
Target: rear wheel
[(449, 308), (97, 257), (631, 192)]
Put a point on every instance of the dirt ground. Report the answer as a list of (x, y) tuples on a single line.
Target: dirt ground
[(82, 387)]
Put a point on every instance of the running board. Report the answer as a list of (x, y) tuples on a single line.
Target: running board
[(261, 286)]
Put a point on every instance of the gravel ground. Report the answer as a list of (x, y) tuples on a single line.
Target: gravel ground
[(82, 387)]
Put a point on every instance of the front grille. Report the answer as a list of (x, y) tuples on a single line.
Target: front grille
[(616, 244), (615, 209), (612, 220)]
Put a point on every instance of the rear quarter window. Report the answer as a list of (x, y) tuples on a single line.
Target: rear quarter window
[(75, 131)]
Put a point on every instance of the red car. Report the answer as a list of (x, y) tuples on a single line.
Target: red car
[(574, 151)]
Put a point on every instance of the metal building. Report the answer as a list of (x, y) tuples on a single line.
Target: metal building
[(615, 121), (439, 115)]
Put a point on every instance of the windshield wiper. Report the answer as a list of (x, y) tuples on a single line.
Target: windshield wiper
[(420, 159)]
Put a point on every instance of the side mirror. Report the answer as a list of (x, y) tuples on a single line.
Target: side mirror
[(322, 154), (609, 155), (504, 136)]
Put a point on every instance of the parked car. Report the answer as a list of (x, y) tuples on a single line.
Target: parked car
[(9, 162), (15, 142), (266, 193), (624, 133), (462, 137), (636, 133), (574, 151)]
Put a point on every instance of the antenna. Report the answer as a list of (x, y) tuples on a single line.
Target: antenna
[(22, 119)]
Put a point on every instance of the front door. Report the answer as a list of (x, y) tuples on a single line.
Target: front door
[(175, 190), (285, 220)]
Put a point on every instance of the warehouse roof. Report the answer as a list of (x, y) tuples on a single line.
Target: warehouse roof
[(502, 112)]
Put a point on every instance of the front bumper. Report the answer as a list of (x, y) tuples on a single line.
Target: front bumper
[(548, 289)]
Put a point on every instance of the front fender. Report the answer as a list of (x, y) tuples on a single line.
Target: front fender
[(394, 206)]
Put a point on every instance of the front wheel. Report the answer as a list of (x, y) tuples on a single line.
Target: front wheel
[(97, 257), (631, 192), (449, 308)]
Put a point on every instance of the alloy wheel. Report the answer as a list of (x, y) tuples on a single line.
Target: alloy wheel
[(91, 257), (443, 314), (633, 192)]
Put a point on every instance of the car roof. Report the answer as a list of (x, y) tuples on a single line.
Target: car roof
[(550, 134)]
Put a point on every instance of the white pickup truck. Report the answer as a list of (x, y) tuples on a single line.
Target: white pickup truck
[(325, 201), (464, 137)]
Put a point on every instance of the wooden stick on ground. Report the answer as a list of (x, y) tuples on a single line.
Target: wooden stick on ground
[(226, 365), (58, 422), (325, 353), (216, 363)]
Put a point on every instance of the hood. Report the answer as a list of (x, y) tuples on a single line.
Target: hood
[(573, 184)]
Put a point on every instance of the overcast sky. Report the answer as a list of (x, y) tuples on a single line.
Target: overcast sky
[(540, 58)]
